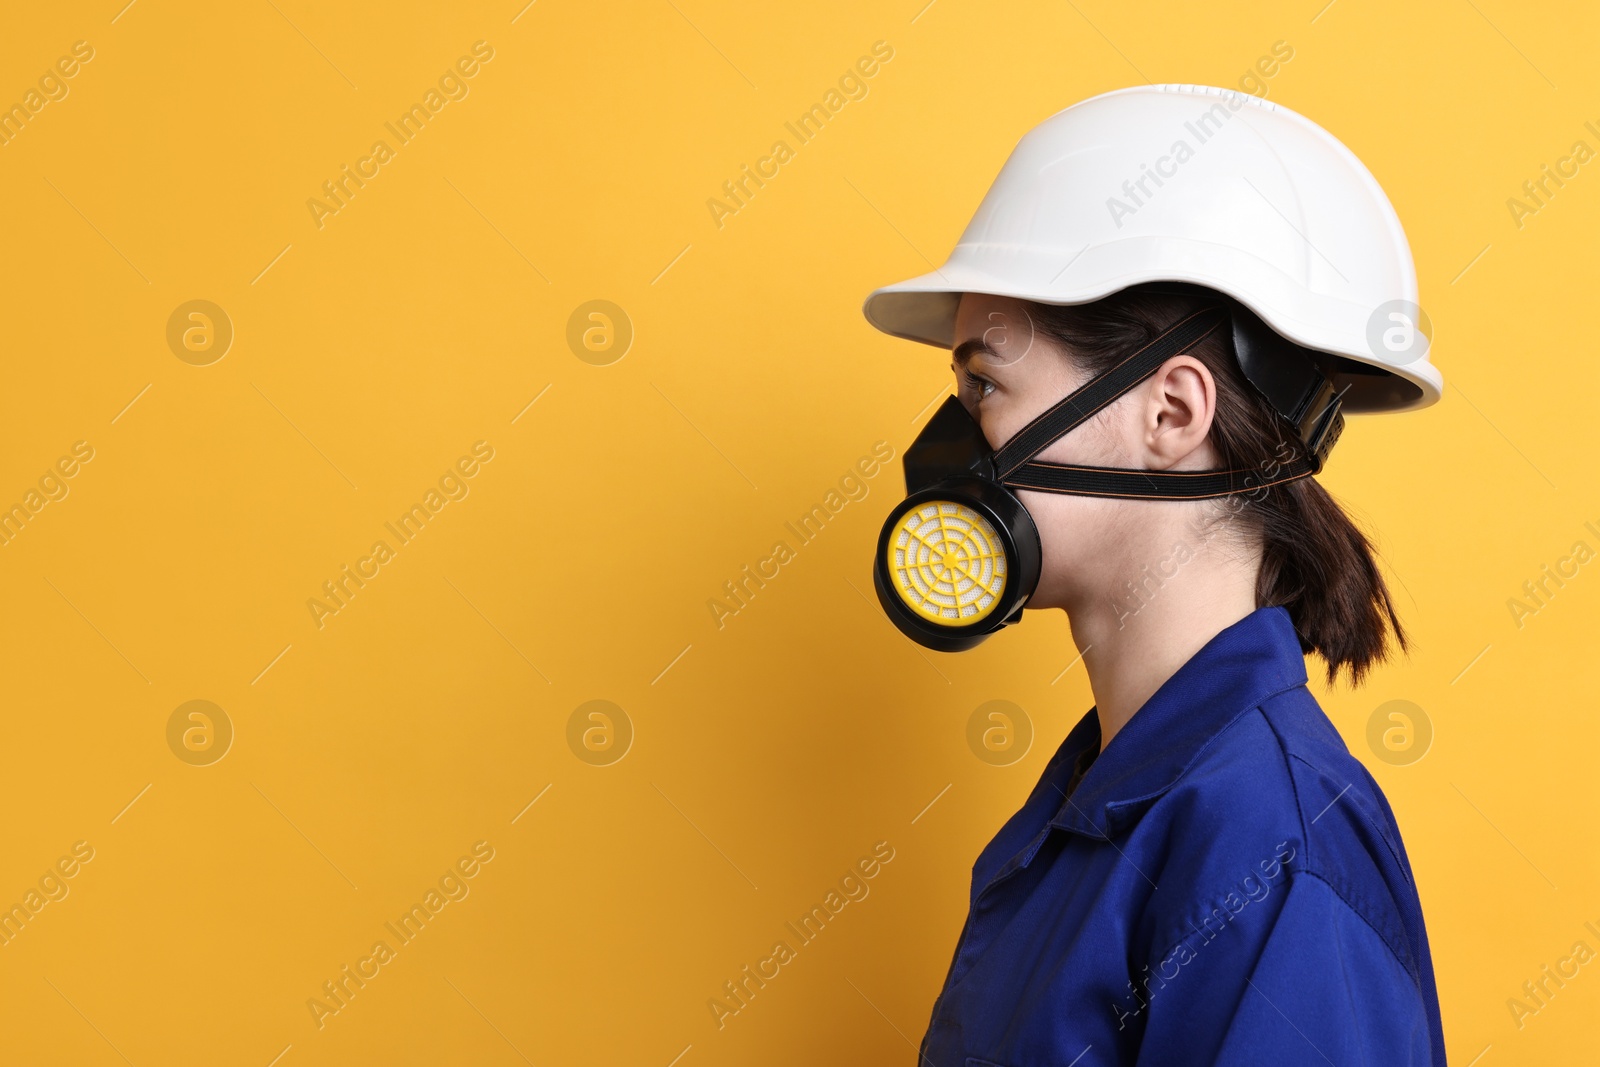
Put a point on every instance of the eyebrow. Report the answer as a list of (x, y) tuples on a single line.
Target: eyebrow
[(964, 352)]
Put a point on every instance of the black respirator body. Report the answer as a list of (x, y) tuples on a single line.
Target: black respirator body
[(960, 557)]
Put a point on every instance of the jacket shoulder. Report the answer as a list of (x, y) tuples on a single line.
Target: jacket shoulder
[(1279, 788), (1351, 839)]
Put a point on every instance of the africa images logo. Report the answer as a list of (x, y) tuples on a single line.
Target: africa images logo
[(853, 886), (339, 590), (453, 885), (1252, 888)]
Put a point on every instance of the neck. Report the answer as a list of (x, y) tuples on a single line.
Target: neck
[(1133, 640)]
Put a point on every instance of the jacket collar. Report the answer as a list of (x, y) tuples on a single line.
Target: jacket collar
[(1236, 670)]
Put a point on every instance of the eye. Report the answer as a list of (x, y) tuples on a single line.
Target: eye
[(982, 386)]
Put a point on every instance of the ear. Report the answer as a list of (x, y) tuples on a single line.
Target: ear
[(1180, 404)]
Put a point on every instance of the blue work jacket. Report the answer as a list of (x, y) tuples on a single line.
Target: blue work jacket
[(1225, 885)]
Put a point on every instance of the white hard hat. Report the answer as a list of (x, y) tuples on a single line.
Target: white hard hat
[(1213, 187)]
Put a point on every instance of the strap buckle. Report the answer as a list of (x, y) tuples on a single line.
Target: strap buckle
[(1293, 382)]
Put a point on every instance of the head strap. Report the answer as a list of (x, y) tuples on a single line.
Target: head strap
[(1016, 468)]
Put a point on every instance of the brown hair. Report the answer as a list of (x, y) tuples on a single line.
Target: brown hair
[(1314, 560)]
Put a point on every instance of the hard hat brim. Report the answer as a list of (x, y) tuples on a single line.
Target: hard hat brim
[(923, 309)]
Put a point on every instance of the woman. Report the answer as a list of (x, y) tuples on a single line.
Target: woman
[(1157, 317)]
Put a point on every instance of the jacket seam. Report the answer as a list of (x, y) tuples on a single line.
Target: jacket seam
[(1305, 837), (1294, 786), (1344, 976), (1382, 836), (1404, 966), (1351, 908)]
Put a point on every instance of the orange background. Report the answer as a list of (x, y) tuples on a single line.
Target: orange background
[(760, 760)]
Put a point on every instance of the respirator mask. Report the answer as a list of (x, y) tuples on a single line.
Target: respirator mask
[(959, 558)]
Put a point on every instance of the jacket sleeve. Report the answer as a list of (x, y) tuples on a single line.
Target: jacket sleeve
[(1310, 982)]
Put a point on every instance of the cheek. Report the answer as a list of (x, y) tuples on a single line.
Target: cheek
[(1079, 536), (1076, 534), (1097, 443), (1061, 541), (997, 422)]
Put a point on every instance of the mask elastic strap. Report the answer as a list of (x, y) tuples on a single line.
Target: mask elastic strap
[(1078, 406), (1015, 468), (1152, 485), (1135, 484)]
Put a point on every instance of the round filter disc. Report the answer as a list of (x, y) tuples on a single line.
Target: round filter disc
[(948, 562)]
